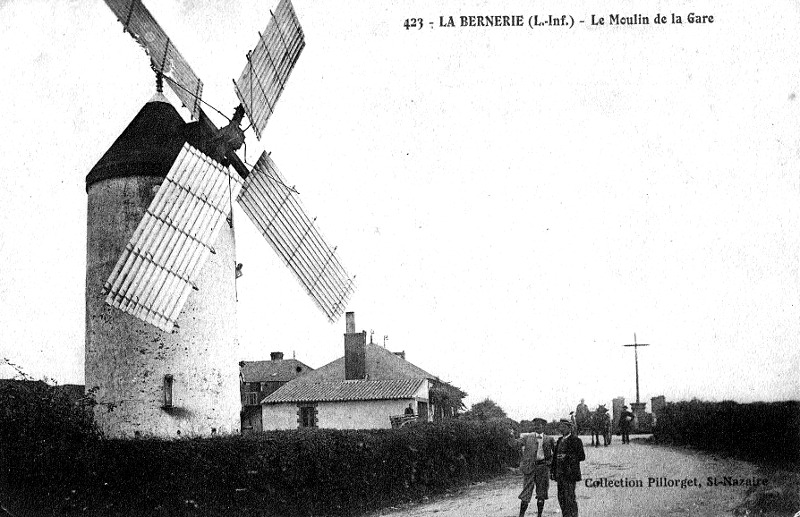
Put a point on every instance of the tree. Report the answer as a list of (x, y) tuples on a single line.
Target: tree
[(446, 399), (485, 410)]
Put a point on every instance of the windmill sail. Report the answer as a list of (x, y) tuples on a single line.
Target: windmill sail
[(162, 261), (164, 57), (269, 65), (276, 211)]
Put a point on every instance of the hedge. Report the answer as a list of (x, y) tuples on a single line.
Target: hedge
[(48, 447), (760, 430)]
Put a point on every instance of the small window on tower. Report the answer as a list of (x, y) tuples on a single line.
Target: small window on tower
[(168, 390)]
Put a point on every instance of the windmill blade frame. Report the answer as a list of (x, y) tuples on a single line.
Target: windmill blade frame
[(164, 56), (162, 261), (269, 65), (276, 211)]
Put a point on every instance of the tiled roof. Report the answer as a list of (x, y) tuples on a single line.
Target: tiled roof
[(333, 391), (379, 364), (280, 370)]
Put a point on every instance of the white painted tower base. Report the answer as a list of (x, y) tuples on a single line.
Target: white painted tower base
[(127, 360)]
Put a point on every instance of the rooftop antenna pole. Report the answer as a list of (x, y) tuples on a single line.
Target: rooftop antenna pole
[(385, 337), (636, 346)]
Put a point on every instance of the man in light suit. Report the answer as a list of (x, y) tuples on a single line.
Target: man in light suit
[(535, 467), (565, 468)]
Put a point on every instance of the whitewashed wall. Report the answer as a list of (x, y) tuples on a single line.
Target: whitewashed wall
[(127, 359), (362, 414)]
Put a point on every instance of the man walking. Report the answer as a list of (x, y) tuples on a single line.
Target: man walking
[(565, 468), (535, 467), (625, 419)]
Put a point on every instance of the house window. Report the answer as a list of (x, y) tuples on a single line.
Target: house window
[(307, 415), (251, 399), (168, 390)]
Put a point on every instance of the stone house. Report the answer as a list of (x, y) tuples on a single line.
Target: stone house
[(364, 389), (346, 404), (259, 379)]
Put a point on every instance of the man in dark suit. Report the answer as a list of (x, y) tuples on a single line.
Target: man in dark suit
[(625, 419), (565, 468), (535, 467)]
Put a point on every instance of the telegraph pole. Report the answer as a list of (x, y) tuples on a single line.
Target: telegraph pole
[(636, 346)]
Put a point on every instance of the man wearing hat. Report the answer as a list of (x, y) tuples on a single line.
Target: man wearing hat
[(625, 419), (565, 468), (535, 467)]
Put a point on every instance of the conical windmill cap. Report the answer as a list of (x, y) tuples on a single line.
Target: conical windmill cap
[(147, 147)]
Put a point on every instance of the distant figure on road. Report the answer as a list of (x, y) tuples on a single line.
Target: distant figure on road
[(601, 424), (625, 419), (582, 417), (535, 467), (409, 411), (566, 468)]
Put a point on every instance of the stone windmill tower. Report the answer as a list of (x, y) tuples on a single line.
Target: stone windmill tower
[(161, 348)]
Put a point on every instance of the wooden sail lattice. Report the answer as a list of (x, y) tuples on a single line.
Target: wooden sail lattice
[(160, 265), (164, 57), (269, 64), (276, 211)]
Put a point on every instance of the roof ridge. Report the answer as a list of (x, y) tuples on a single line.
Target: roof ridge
[(401, 360), (345, 390), (269, 370)]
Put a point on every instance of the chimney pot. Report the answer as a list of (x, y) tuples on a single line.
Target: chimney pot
[(350, 323), (276, 356)]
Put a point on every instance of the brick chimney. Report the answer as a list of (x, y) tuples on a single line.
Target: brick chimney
[(276, 356), (355, 344)]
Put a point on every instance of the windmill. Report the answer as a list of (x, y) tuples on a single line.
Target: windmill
[(159, 267), (171, 185)]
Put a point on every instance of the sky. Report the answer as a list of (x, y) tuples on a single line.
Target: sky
[(515, 202)]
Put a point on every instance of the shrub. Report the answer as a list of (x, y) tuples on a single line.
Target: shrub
[(38, 420), (51, 448), (760, 430)]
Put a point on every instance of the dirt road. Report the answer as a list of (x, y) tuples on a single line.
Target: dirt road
[(635, 480)]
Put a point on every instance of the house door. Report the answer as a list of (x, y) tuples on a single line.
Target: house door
[(422, 410)]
